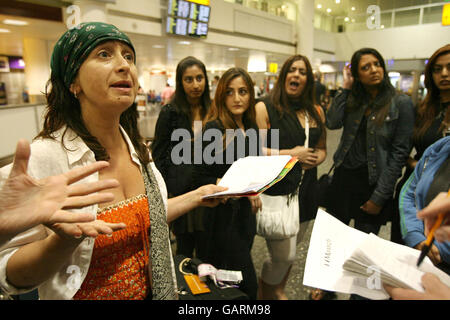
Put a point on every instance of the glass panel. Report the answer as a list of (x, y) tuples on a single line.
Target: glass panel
[(407, 3), (386, 19), (280, 8), (407, 18), (357, 23), (317, 20), (432, 14)]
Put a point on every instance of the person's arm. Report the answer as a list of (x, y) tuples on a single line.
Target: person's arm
[(184, 203), (26, 202), (336, 112), (398, 152), (20, 258), (411, 163), (412, 228), (321, 147), (36, 262), (440, 204), (160, 147), (262, 120), (434, 290)]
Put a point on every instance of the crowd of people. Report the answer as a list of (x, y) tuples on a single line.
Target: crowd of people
[(88, 193)]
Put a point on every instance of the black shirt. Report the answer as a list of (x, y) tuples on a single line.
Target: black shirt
[(291, 134), (357, 155), (432, 134), (178, 177)]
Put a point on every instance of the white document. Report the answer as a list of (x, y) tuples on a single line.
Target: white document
[(251, 173), (372, 260)]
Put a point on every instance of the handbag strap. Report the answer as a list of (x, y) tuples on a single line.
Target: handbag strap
[(306, 130), (331, 169)]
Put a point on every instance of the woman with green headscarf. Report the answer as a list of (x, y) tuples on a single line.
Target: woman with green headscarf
[(91, 115)]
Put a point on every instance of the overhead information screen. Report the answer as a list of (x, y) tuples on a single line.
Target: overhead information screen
[(187, 18)]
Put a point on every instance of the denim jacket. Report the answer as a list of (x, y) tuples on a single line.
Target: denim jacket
[(388, 146), (414, 193)]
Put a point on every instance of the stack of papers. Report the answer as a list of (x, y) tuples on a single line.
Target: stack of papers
[(343, 259), (253, 175)]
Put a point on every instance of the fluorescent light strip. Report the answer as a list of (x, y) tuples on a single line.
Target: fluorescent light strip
[(15, 22)]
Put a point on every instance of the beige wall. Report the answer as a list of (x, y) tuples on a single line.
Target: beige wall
[(228, 23), (410, 42)]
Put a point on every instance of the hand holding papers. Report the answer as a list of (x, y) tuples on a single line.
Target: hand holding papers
[(252, 175), (347, 260)]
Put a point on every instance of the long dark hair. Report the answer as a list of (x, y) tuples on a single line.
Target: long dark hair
[(429, 108), (280, 99), (179, 99), (63, 109), (358, 95)]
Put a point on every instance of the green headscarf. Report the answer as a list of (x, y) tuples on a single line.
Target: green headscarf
[(76, 44)]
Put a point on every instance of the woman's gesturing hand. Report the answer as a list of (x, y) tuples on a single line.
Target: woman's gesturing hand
[(26, 202), (347, 81)]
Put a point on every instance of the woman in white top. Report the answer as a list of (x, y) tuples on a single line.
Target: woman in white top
[(91, 116)]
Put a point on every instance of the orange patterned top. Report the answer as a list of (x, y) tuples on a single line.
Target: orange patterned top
[(119, 263)]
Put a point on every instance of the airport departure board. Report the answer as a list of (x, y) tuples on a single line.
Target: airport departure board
[(187, 18)]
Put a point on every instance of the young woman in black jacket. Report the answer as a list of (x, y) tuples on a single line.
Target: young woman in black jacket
[(178, 123), (231, 225), (432, 120), (378, 124)]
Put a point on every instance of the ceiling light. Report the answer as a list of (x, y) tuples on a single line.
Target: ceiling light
[(319, 6), (338, 1), (382, 26), (353, 8), (328, 10), (157, 46), (347, 19), (233, 49), (15, 22), (394, 74), (184, 42), (4, 30)]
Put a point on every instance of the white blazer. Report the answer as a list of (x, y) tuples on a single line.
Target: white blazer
[(48, 158)]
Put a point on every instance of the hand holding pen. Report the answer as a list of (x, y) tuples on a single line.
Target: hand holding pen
[(434, 289), (440, 204), (439, 220)]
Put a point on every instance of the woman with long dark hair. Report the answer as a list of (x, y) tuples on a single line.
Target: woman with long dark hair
[(288, 108), (432, 119), (375, 143), (91, 115), (231, 225), (186, 111), (433, 116)]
